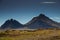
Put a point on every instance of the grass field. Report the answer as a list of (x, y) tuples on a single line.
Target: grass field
[(46, 34)]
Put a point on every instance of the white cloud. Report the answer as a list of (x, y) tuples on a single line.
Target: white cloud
[(48, 2)]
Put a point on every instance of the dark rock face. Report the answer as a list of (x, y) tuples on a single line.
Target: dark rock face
[(42, 21), (11, 24)]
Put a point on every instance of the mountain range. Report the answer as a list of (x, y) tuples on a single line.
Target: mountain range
[(39, 22)]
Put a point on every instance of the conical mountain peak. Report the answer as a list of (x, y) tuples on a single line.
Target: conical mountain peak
[(42, 21), (11, 19), (11, 24), (42, 16)]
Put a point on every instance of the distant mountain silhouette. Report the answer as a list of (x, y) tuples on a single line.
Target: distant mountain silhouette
[(39, 22), (11, 24), (42, 21)]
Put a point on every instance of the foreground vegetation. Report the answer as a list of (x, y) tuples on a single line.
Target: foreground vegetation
[(46, 34)]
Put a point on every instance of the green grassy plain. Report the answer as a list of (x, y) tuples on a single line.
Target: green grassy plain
[(46, 34)]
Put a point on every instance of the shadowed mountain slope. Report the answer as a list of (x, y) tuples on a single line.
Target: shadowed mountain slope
[(11, 24), (42, 21)]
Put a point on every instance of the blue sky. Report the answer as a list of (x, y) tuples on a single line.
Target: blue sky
[(24, 10)]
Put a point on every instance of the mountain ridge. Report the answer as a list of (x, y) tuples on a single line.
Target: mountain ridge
[(40, 21)]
